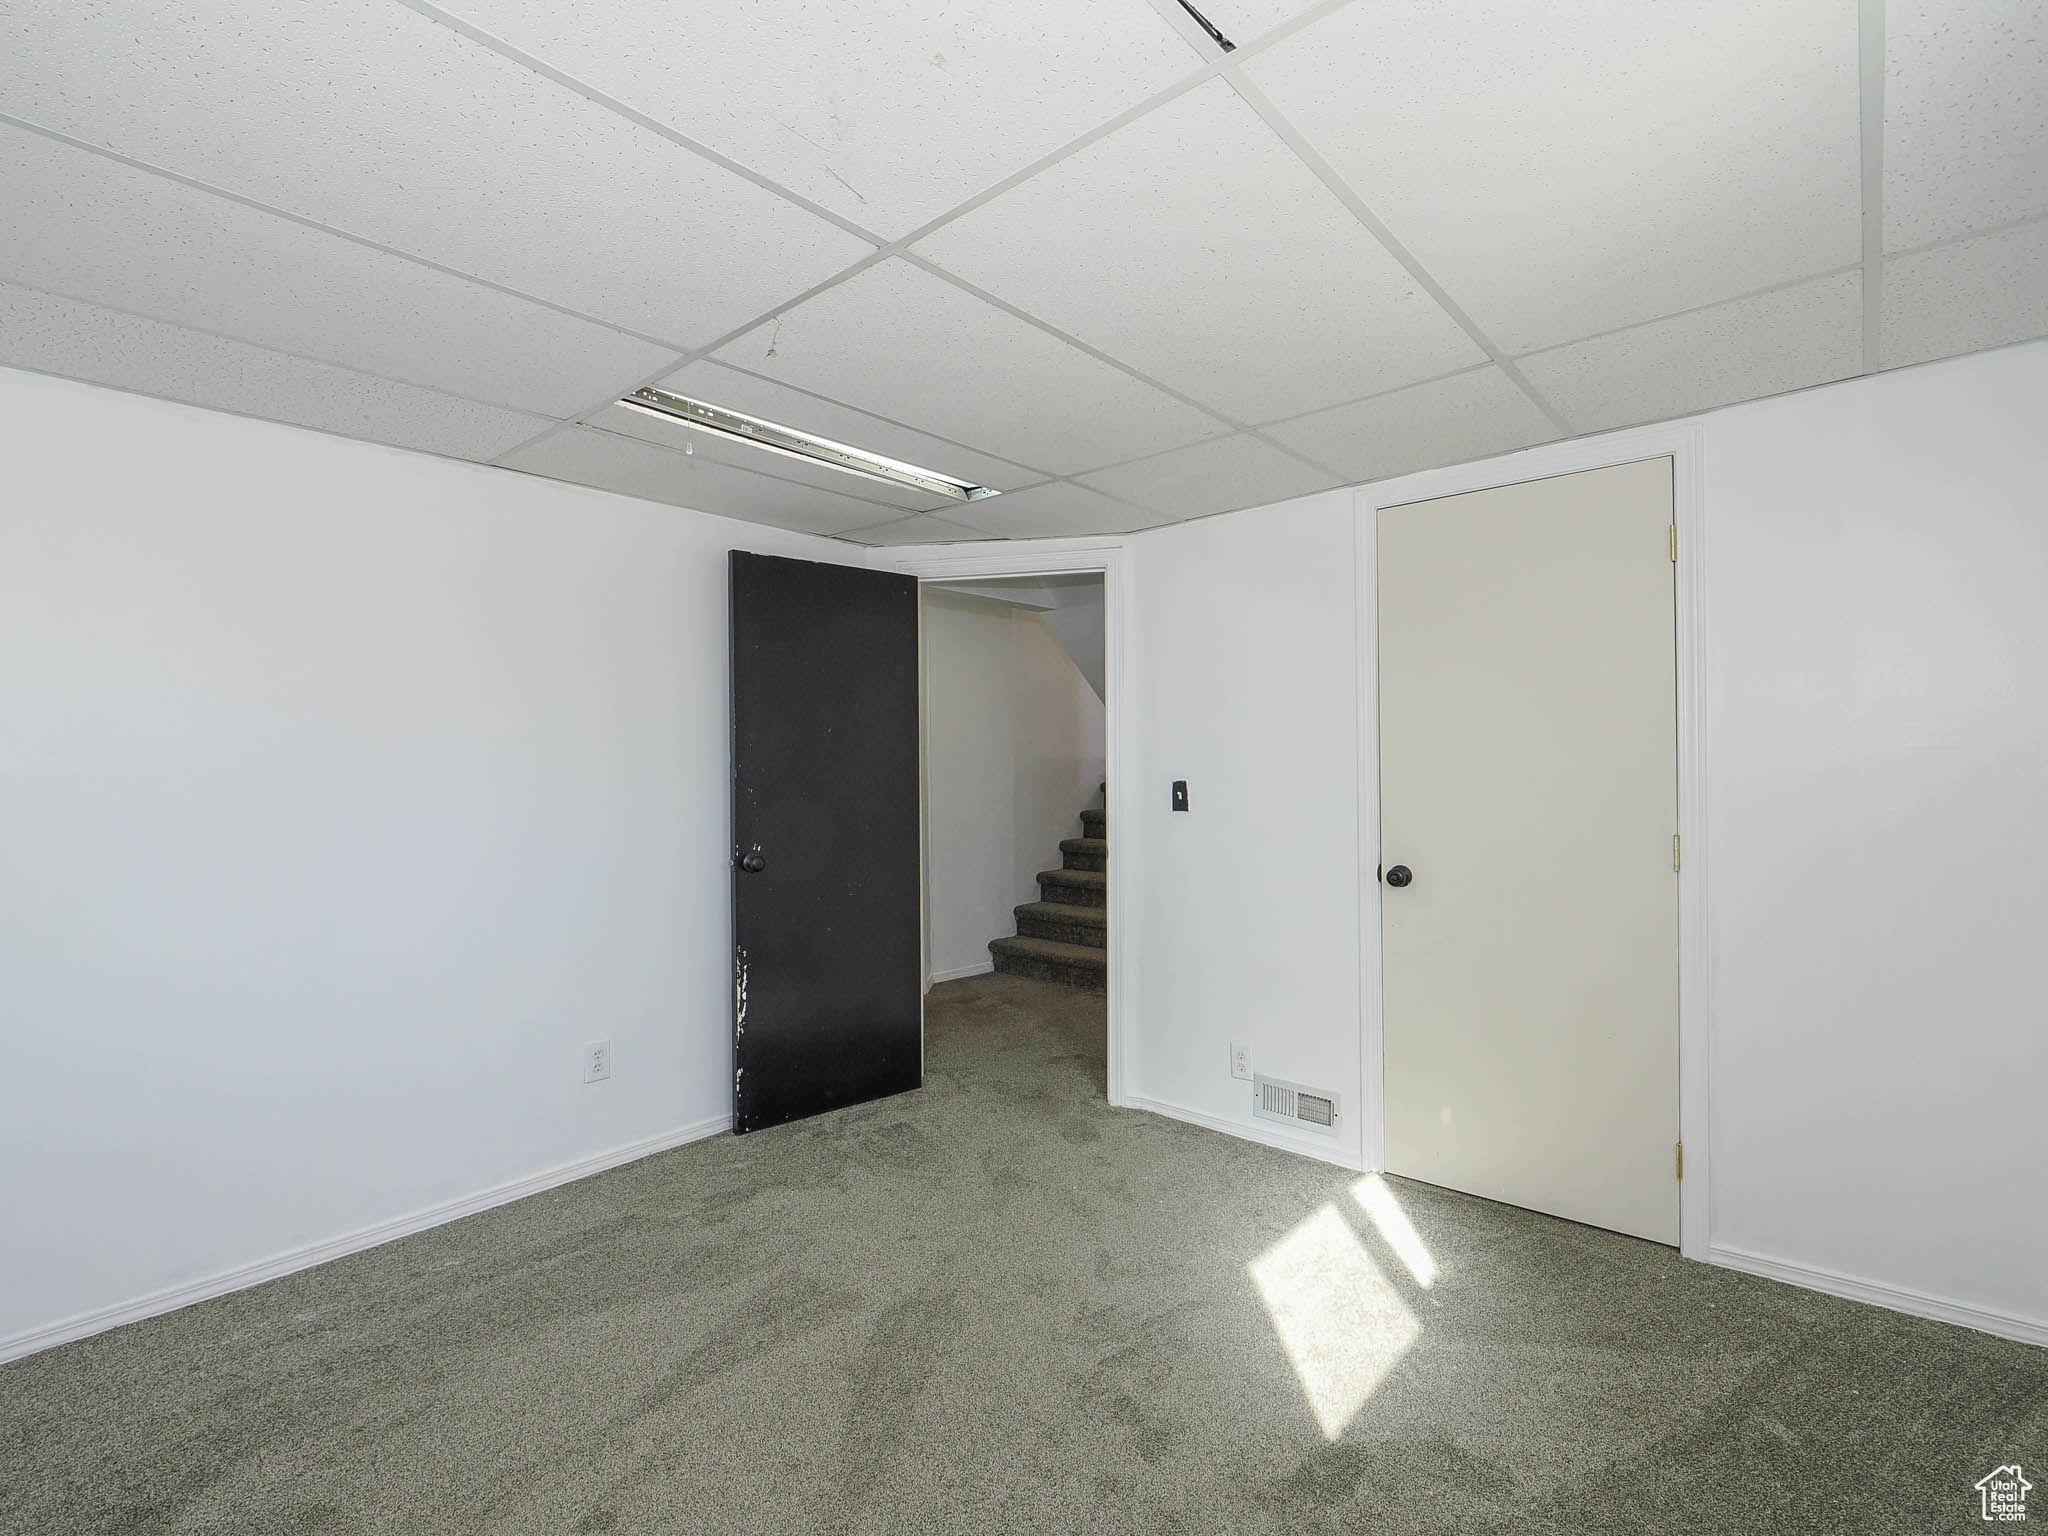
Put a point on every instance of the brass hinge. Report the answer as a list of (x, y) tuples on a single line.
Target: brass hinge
[(1681, 1159), (1674, 851), (1674, 543)]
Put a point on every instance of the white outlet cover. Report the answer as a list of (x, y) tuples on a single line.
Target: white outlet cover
[(1240, 1061), (597, 1061)]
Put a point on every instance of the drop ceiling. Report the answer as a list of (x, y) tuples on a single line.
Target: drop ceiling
[(1073, 251)]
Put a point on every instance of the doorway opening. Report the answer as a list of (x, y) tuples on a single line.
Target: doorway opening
[(832, 900), (1015, 743)]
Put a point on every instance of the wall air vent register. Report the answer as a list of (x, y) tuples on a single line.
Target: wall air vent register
[(1293, 1104)]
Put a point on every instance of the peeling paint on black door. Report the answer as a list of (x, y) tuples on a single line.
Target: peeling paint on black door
[(828, 1005)]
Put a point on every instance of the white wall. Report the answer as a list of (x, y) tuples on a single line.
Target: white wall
[(1878, 801), (1877, 786), (1013, 752), (1244, 673), (1079, 619), (344, 793)]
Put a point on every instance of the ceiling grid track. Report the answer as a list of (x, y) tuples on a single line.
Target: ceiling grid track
[(632, 115), (885, 249), (697, 354), (9, 120), (1230, 68), (256, 346), (1212, 56), (682, 355), (1870, 51), (1785, 286), (1292, 137), (1970, 234), (213, 333), (1097, 353), (883, 246), (1208, 68)]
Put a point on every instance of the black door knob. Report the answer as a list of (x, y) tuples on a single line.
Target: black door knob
[(753, 863), (1399, 875)]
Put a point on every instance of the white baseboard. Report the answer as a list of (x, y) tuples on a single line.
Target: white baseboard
[(1322, 1149), (87, 1323), (979, 968), (2026, 1330)]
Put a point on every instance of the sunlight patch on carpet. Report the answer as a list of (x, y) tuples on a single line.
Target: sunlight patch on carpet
[(1395, 1229), (1341, 1321)]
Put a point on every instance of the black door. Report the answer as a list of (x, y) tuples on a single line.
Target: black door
[(828, 995)]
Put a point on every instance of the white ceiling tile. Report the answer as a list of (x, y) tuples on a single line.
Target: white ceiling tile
[(890, 112), (78, 223), (1764, 345), (719, 385), (1977, 293), (1450, 421), (1965, 117), (83, 341), (371, 118), (915, 530), (899, 342), (713, 448), (1055, 510), (1217, 476), (1246, 21), (1195, 246), (630, 467), (1565, 170)]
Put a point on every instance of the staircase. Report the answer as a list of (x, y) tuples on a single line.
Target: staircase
[(1064, 935)]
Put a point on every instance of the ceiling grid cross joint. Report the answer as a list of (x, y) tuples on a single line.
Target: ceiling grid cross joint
[(1123, 262)]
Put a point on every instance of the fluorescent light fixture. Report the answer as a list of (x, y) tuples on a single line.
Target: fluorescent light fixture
[(795, 444)]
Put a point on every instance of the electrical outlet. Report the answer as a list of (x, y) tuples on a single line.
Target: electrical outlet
[(597, 1061), (1240, 1061)]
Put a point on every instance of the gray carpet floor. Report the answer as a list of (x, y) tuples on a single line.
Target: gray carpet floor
[(998, 1305)]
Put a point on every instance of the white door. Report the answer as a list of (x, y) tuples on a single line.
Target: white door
[(1528, 784)]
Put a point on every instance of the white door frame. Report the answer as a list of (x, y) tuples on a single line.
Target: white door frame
[(1058, 557), (1685, 445)]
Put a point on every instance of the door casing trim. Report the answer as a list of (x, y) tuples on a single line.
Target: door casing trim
[(1059, 557), (1685, 445)]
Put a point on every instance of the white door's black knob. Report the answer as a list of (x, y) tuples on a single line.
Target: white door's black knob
[(1399, 876)]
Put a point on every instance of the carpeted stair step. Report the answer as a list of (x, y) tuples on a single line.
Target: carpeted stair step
[(1095, 823), (1074, 887), (1084, 853), (1063, 923), (1073, 965)]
